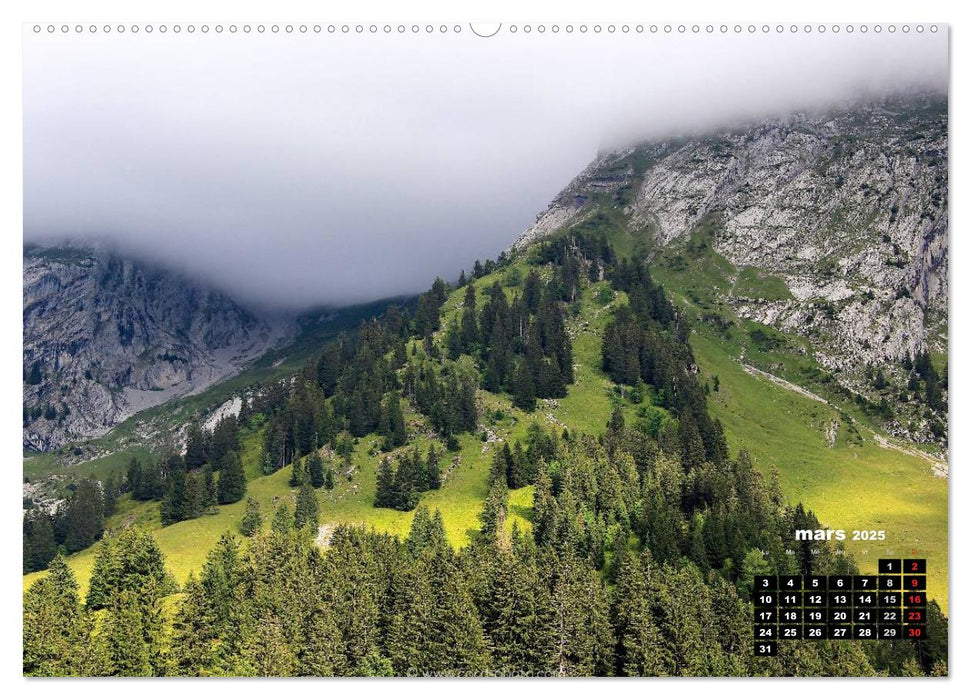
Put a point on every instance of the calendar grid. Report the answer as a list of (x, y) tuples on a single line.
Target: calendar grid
[(891, 604)]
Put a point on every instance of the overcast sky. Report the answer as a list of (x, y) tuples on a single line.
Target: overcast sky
[(309, 169)]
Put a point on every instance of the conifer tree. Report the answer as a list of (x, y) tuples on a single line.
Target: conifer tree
[(210, 495), (282, 519), (493, 515), (393, 422), (252, 518), (433, 469), (524, 387), (329, 478), (232, 479), (54, 629), (194, 495), (172, 509), (637, 636), (192, 645), (321, 654), (109, 491), (315, 469), (469, 332), (85, 518), (545, 521), (40, 545), (307, 513), (384, 496), (296, 473), (128, 654), (105, 577), (196, 448)]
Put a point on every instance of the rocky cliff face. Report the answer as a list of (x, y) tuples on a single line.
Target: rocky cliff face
[(105, 337), (848, 208)]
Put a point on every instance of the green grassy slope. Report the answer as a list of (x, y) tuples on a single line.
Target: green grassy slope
[(855, 484)]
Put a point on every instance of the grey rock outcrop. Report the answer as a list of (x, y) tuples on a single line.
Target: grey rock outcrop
[(106, 337)]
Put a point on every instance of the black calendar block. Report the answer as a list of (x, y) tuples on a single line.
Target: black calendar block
[(766, 616), (815, 632), (889, 632), (915, 566), (890, 566), (912, 598), (840, 583), (814, 599), (890, 583), (840, 599), (766, 648), (766, 600), (890, 616), (840, 616), (915, 616), (891, 600), (915, 583), (765, 632), (766, 583), (891, 604), (840, 632), (915, 632), (814, 616), (814, 583)]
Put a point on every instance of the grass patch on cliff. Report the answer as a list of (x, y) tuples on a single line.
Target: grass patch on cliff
[(756, 284)]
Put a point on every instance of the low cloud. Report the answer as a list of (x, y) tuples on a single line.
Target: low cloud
[(300, 170)]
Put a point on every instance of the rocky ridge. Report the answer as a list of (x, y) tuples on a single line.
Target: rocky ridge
[(848, 208)]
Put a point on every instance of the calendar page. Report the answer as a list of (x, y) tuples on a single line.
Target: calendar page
[(425, 348)]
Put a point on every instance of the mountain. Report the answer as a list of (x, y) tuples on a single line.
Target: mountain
[(106, 336), (831, 227), (598, 425)]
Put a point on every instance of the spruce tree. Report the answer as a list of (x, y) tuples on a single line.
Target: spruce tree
[(524, 388), (307, 512), (128, 652), (211, 495), (493, 515), (173, 505), (296, 473), (385, 490), (105, 577), (196, 448), (252, 518), (40, 546), (393, 422), (315, 469), (232, 479), (433, 469), (282, 519), (85, 519), (54, 629), (329, 479)]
